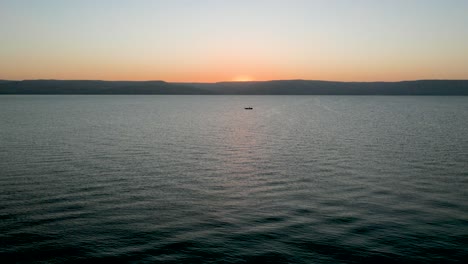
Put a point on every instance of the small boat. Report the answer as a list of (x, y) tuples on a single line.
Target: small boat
[(248, 108)]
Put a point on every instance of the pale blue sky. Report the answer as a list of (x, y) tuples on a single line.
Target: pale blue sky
[(222, 40)]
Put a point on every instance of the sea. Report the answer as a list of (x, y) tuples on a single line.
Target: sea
[(200, 179)]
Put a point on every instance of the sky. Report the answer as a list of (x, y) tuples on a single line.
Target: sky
[(241, 40)]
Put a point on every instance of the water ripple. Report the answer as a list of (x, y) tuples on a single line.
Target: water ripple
[(299, 180)]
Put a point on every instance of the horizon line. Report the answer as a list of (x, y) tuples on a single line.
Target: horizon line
[(220, 82)]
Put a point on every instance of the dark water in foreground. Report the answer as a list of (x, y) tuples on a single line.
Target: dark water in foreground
[(171, 179)]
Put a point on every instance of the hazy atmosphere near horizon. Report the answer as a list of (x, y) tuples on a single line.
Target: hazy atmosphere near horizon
[(203, 131), (210, 41)]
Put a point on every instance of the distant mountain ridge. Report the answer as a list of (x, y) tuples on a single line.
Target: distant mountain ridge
[(276, 87), (94, 87)]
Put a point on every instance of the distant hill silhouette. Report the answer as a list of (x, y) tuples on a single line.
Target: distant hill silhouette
[(95, 87), (280, 87)]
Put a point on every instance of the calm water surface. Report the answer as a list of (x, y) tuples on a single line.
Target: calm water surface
[(171, 179)]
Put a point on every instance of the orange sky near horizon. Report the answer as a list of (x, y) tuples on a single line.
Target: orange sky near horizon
[(219, 73), (214, 41)]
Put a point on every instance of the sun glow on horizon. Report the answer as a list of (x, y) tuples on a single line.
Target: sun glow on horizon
[(242, 78)]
